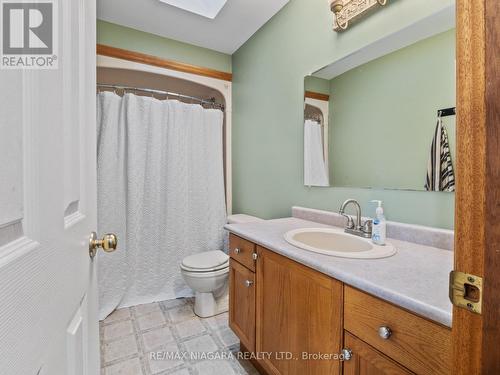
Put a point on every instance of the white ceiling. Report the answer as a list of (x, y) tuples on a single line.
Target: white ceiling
[(234, 25), (206, 8)]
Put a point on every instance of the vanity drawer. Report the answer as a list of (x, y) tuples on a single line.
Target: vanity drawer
[(417, 343), (242, 251)]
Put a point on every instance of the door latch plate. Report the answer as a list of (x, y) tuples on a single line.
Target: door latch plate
[(466, 291)]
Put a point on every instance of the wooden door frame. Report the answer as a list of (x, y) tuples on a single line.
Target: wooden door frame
[(477, 206)]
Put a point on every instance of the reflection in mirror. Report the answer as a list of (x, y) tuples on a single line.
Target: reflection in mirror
[(384, 130), (316, 139)]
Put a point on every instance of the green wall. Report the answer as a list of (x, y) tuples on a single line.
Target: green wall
[(123, 37), (387, 108), (268, 87)]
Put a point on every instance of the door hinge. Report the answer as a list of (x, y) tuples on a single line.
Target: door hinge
[(466, 291)]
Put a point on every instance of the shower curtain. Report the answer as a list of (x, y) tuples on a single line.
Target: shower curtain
[(315, 171), (160, 189)]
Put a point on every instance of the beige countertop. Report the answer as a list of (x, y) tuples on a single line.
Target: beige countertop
[(415, 278)]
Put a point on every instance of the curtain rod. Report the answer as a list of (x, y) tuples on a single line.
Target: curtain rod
[(211, 101)]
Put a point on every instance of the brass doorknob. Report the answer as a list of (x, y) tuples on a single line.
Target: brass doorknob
[(108, 243)]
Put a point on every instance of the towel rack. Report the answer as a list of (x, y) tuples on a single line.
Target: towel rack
[(447, 112)]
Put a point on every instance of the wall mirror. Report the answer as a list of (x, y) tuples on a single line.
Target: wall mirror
[(373, 120)]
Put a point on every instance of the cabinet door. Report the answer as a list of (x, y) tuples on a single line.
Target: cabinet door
[(242, 303), (366, 360), (299, 312)]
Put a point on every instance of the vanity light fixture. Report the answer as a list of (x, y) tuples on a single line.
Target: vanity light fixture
[(347, 11)]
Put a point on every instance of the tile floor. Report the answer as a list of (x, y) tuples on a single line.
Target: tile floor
[(160, 338)]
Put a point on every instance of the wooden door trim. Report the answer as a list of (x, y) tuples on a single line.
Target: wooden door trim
[(316, 95), (491, 325), (477, 204), (160, 62)]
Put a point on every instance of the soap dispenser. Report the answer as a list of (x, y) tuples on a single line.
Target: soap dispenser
[(379, 225)]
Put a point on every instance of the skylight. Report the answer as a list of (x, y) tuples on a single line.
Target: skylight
[(205, 8)]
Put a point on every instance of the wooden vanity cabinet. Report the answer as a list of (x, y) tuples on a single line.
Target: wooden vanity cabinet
[(299, 310), (280, 308)]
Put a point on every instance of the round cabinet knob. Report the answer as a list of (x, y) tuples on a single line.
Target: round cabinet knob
[(237, 250), (248, 283), (346, 354), (384, 332), (254, 256), (108, 243)]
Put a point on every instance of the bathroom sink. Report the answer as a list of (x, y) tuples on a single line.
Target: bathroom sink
[(335, 242)]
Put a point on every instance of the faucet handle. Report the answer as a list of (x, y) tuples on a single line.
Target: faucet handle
[(367, 226), (350, 221)]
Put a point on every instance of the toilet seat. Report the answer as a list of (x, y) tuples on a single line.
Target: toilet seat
[(205, 275), (197, 270), (205, 262)]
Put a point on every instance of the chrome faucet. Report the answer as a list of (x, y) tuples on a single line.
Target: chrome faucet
[(358, 228)]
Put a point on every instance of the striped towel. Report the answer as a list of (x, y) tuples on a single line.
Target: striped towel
[(440, 175)]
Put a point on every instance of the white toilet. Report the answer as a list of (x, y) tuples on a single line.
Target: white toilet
[(207, 274)]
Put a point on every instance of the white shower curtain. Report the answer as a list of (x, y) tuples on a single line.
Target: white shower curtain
[(315, 170), (160, 189)]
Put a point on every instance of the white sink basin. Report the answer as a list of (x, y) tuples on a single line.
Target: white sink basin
[(335, 242)]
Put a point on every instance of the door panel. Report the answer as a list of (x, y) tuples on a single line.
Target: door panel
[(294, 305), (76, 357), (48, 207)]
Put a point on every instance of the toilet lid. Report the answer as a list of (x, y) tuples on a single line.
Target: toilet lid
[(207, 260)]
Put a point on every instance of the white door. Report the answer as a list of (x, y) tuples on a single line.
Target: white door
[(48, 300)]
